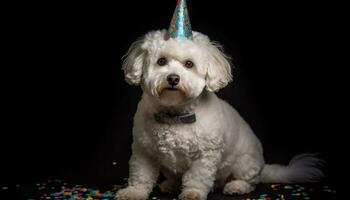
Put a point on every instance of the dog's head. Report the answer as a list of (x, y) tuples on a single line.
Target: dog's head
[(175, 71)]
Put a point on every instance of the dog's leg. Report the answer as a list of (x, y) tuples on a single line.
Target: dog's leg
[(143, 176), (199, 179), (246, 170)]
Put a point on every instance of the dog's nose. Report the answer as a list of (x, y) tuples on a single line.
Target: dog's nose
[(173, 79)]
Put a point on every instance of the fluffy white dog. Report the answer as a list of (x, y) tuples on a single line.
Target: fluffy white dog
[(182, 129)]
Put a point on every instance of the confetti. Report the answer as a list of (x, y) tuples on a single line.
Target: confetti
[(287, 191), (4, 188), (57, 189)]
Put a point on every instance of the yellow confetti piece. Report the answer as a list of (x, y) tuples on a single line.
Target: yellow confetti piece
[(282, 197)]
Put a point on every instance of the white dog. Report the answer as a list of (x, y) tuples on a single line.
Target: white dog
[(182, 129)]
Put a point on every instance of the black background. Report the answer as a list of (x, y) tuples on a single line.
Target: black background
[(67, 110)]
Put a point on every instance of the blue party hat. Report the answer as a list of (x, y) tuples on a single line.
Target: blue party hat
[(180, 26)]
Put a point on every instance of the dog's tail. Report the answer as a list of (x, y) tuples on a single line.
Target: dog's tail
[(302, 168)]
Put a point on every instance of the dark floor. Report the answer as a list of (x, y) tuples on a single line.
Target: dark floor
[(70, 189)]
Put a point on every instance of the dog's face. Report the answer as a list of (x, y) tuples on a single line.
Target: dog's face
[(175, 71)]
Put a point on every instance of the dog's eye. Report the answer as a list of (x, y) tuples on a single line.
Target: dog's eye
[(189, 64), (161, 61)]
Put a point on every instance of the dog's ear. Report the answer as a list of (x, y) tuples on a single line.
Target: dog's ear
[(133, 62), (218, 68)]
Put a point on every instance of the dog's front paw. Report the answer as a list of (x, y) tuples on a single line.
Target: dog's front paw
[(191, 194), (169, 186), (238, 187), (132, 193)]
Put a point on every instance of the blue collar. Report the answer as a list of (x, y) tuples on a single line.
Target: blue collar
[(167, 118)]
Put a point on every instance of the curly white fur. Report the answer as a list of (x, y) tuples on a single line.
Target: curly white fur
[(218, 149)]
